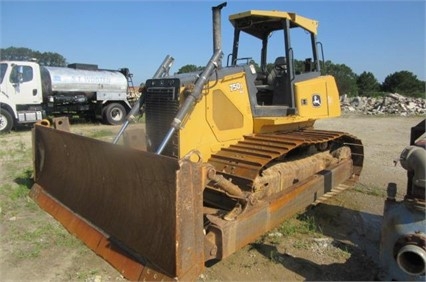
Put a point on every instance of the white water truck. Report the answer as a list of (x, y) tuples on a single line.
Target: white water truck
[(30, 92)]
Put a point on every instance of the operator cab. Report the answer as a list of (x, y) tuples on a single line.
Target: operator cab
[(271, 84)]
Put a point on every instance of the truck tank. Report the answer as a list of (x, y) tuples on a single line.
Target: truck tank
[(68, 80)]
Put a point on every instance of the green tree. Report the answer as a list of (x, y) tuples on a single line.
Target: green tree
[(367, 83), (189, 68), (23, 54), (299, 66), (52, 59), (404, 83), (16, 53), (345, 77)]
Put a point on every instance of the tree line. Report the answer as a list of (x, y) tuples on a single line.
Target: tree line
[(365, 84), (25, 54)]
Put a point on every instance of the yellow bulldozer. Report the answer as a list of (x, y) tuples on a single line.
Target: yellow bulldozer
[(231, 152)]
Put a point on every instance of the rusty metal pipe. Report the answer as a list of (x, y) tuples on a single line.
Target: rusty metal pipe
[(225, 184)]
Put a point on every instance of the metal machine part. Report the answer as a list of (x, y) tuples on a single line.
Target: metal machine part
[(157, 214), (162, 71), (403, 234), (223, 155)]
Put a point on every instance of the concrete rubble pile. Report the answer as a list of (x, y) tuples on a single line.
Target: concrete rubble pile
[(391, 103)]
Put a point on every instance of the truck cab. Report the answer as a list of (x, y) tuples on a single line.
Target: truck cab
[(21, 93)]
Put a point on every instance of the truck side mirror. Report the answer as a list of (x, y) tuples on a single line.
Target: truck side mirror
[(20, 74)]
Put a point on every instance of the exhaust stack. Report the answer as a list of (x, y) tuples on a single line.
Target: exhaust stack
[(217, 30)]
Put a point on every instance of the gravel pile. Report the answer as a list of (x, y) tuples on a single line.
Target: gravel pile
[(392, 103)]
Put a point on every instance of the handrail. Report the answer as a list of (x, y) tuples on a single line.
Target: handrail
[(322, 55), (192, 99)]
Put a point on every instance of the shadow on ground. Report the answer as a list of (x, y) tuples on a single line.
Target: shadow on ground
[(355, 232), (332, 272), (26, 179)]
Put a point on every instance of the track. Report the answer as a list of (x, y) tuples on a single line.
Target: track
[(244, 161)]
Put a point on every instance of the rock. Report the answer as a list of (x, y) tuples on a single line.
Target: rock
[(396, 96), (356, 102), (391, 103), (411, 105), (275, 234)]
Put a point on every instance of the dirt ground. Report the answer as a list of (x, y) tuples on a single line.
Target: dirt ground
[(337, 240)]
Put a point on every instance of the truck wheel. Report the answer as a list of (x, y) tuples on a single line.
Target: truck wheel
[(114, 114), (6, 121)]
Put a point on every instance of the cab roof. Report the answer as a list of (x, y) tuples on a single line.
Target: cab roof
[(261, 23)]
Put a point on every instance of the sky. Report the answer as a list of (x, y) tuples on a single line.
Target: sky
[(381, 37)]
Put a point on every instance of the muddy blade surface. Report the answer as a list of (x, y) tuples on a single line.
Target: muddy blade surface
[(147, 208)]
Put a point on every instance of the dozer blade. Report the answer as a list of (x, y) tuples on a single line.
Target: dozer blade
[(139, 211)]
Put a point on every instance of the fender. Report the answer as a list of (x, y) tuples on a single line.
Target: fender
[(5, 103)]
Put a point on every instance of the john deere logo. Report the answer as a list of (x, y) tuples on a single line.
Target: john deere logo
[(316, 100)]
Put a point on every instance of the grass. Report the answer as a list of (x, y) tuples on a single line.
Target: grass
[(341, 252), (300, 224), (302, 244), (15, 150), (14, 194), (302, 233), (370, 190), (17, 192), (86, 275), (29, 235), (98, 134), (26, 229), (32, 243), (274, 256)]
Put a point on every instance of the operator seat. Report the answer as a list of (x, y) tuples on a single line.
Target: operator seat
[(279, 81), (280, 69), (274, 84)]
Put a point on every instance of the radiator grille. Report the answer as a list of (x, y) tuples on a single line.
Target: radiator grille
[(161, 104)]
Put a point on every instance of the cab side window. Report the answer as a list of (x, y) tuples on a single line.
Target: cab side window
[(21, 74), (27, 74)]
